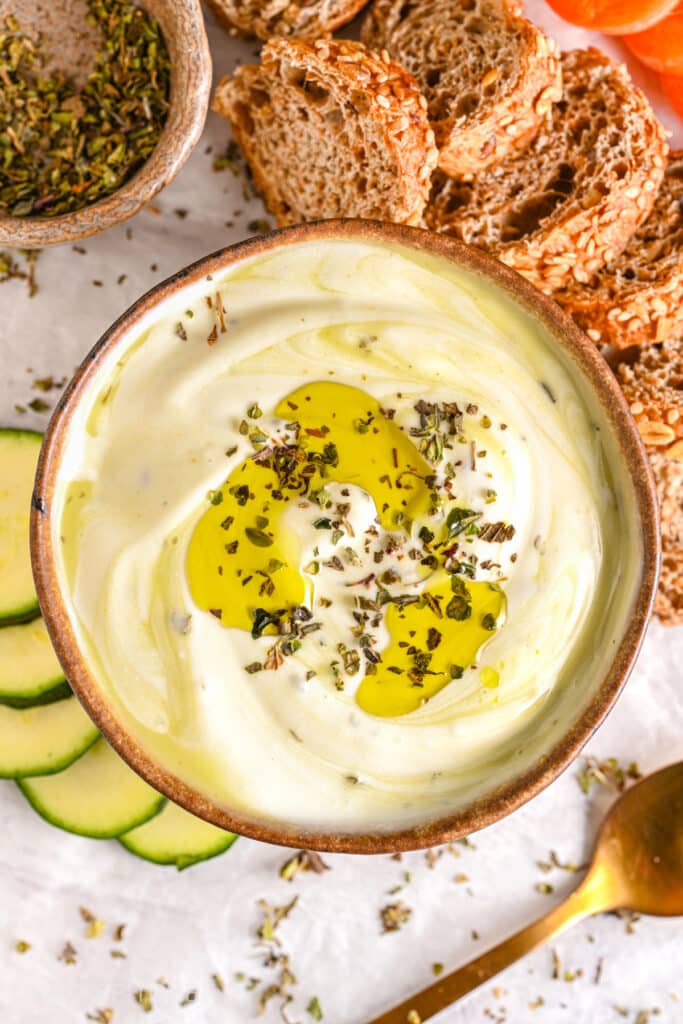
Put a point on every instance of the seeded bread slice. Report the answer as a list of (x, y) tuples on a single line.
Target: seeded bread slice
[(308, 18), (488, 74), (653, 386), (330, 129), (638, 297), (569, 203), (669, 481)]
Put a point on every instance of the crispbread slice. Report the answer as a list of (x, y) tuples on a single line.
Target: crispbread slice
[(569, 203), (307, 18), (488, 74), (653, 386), (669, 481), (331, 129), (638, 297)]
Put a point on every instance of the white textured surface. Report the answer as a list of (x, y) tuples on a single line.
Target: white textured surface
[(184, 927)]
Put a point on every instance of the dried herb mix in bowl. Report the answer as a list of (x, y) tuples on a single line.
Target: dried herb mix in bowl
[(63, 147)]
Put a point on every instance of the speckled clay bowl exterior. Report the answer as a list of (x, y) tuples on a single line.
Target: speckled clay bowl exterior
[(182, 25), (517, 790)]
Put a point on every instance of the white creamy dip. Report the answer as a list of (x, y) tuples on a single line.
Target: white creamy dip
[(149, 445)]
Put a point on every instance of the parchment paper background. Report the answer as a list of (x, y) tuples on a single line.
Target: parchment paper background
[(184, 927)]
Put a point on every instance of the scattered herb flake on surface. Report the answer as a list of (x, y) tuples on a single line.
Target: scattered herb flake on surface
[(10, 269), (314, 1008), (143, 997), (272, 918), (68, 954), (305, 860), (95, 925), (394, 916), (260, 226), (39, 405), (609, 773)]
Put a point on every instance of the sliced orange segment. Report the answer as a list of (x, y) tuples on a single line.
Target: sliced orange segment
[(661, 47), (616, 17), (673, 89)]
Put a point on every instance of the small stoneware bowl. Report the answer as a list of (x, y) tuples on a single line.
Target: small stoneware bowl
[(65, 32), (564, 724)]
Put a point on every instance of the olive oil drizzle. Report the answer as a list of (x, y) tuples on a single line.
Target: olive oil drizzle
[(244, 560)]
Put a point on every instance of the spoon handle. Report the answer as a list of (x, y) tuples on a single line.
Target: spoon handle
[(591, 897)]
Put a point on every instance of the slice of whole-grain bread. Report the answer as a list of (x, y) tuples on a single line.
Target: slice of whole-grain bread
[(569, 203), (488, 74), (669, 481), (638, 297), (331, 129), (653, 387), (307, 18)]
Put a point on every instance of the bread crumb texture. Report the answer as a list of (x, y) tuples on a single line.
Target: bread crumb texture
[(570, 202), (669, 481), (331, 129), (653, 386), (307, 19), (488, 74), (638, 297)]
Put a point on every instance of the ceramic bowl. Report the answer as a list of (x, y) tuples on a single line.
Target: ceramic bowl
[(586, 702), (62, 25)]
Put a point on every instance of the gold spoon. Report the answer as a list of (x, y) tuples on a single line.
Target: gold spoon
[(637, 865)]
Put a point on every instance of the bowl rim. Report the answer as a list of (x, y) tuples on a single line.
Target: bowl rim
[(489, 807), (189, 104)]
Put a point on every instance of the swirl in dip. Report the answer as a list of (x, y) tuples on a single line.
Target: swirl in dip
[(340, 538)]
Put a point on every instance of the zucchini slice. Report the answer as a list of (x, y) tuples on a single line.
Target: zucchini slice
[(42, 740), (29, 671), (19, 451), (97, 796), (176, 837)]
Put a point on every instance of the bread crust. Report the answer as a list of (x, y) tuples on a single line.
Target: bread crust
[(638, 298), (485, 107), (599, 158), (289, 114), (653, 387), (669, 481), (307, 19)]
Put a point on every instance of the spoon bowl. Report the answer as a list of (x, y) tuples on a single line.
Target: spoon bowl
[(639, 850), (637, 865)]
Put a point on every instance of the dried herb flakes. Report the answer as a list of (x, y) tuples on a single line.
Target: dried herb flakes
[(143, 997), (304, 860), (394, 916), (62, 148), (314, 1008)]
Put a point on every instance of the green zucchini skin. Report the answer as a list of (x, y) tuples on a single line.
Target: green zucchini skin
[(43, 740), (177, 838), (18, 617), (97, 796), (24, 606), (30, 674), (60, 691)]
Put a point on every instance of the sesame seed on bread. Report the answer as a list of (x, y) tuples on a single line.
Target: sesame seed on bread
[(638, 297), (487, 73), (569, 203), (307, 18), (331, 129), (653, 386), (669, 481)]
